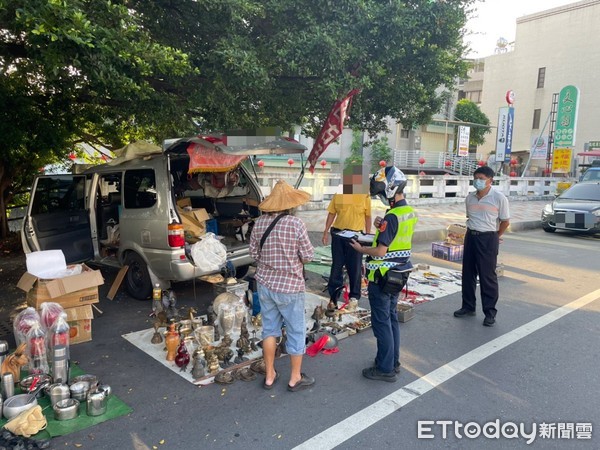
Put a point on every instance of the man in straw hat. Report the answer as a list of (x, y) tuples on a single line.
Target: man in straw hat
[(280, 245)]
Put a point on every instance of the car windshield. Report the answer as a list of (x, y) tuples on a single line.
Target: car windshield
[(589, 191)]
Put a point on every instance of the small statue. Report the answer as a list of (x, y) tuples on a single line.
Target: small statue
[(244, 329), (331, 309), (192, 313), (172, 312), (213, 364), (13, 362), (227, 358), (156, 337), (211, 316), (317, 316), (227, 341), (198, 367), (240, 358)]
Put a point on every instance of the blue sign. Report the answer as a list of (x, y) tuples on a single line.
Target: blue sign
[(506, 119)]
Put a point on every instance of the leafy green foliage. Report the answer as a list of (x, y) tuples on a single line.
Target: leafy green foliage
[(108, 72), (380, 151), (467, 111)]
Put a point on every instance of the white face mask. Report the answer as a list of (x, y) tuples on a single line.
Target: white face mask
[(479, 184)]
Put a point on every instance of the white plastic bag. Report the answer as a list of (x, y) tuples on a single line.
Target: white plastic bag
[(209, 254)]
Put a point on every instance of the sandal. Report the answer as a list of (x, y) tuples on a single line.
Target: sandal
[(303, 383), (270, 386)]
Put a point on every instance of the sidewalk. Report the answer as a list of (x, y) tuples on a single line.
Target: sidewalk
[(433, 219)]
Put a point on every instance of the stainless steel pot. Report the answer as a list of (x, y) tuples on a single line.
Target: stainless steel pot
[(96, 403), (91, 379), (79, 390), (66, 409), (57, 392), (16, 404)]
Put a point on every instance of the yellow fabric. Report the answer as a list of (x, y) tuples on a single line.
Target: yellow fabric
[(350, 211), (28, 422)]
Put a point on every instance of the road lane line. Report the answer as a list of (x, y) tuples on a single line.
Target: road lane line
[(379, 410), (554, 243)]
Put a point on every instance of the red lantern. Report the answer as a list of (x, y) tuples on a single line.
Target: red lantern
[(513, 162), (421, 160), (72, 156), (481, 163), (323, 163), (513, 174), (290, 162), (382, 163), (448, 163), (422, 173), (260, 163)]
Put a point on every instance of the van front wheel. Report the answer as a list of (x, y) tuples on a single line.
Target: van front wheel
[(138, 282)]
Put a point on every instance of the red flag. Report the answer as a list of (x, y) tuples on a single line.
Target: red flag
[(332, 128)]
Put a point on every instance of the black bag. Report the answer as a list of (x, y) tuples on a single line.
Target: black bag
[(393, 281)]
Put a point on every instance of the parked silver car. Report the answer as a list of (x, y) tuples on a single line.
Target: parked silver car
[(577, 209), (126, 212)]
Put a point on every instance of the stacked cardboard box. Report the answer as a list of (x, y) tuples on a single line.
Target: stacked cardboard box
[(75, 294)]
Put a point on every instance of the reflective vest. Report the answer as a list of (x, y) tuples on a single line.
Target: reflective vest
[(400, 245)]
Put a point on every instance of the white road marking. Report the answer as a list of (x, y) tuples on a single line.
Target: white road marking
[(379, 410), (555, 242)]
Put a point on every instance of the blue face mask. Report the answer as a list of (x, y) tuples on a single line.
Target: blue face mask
[(479, 184)]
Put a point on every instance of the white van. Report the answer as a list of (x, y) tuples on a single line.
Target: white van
[(126, 212)]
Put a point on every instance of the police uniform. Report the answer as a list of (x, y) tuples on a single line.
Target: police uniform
[(395, 232)]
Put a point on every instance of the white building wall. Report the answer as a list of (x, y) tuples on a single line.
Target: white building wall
[(564, 40)]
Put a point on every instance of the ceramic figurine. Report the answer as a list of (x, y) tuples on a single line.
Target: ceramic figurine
[(156, 337), (172, 341)]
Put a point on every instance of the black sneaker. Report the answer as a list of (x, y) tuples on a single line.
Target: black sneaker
[(489, 322), (373, 374), (396, 367), (463, 312)]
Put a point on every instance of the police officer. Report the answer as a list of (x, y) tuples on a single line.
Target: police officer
[(388, 266)]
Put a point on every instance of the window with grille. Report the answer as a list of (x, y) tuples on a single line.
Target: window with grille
[(541, 77)]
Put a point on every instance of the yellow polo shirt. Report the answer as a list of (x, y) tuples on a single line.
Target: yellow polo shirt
[(350, 211)]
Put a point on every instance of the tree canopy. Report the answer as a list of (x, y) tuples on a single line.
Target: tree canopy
[(468, 111), (107, 72)]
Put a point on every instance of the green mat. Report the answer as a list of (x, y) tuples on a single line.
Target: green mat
[(115, 408), (316, 266)]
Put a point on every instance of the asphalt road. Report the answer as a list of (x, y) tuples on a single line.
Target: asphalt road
[(539, 364)]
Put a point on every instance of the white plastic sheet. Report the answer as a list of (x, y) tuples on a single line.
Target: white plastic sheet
[(209, 254)]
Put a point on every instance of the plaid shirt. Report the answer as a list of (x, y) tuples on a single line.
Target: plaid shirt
[(280, 261)]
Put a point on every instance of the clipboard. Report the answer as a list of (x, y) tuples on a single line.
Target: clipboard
[(363, 239)]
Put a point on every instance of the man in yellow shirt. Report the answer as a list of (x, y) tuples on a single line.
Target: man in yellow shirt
[(348, 211)]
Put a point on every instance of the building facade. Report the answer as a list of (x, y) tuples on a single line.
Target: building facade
[(552, 49)]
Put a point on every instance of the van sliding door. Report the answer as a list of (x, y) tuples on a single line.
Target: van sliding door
[(57, 218)]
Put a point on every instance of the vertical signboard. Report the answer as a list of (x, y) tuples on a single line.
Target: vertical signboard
[(464, 133), (566, 118), (561, 160), (506, 118), (539, 147)]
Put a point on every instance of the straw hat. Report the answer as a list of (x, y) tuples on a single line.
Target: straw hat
[(282, 197)]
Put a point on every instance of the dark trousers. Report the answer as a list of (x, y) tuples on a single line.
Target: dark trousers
[(480, 258), (344, 255), (384, 321)]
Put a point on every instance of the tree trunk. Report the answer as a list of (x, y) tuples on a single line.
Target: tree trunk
[(4, 184)]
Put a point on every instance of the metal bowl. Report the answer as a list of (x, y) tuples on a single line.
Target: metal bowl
[(43, 378), (91, 379), (79, 390), (15, 405), (66, 409)]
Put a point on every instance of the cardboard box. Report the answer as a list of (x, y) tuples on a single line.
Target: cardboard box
[(405, 312), (448, 252), (455, 234), (193, 220), (79, 319), (75, 290)]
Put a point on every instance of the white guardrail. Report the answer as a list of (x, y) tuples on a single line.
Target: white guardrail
[(429, 188)]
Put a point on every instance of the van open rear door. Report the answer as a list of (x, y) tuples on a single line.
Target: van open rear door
[(57, 218)]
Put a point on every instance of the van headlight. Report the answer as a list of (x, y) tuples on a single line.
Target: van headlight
[(596, 213), (548, 209)]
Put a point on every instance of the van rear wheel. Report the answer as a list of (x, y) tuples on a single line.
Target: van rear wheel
[(138, 281)]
